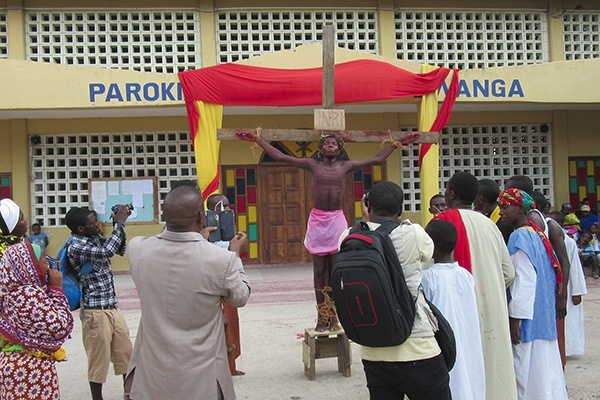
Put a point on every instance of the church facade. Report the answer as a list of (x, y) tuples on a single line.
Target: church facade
[(90, 92)]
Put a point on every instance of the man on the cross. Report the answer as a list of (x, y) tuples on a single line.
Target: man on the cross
[(326, 221)]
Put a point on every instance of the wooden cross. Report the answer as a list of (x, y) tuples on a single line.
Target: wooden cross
[(328, 119)]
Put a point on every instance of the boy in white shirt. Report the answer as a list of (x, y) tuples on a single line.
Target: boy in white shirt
[(451, 289)]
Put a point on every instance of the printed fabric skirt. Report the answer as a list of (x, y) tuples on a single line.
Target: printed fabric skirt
[(23, 376)]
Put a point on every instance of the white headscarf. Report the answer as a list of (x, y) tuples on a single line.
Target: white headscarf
[(10, 212)]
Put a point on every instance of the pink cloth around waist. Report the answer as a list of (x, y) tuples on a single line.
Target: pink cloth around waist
[(324, 230)]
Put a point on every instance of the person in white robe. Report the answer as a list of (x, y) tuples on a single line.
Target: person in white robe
[(489, 262), (452, 290), (532, 305), (574, 321)]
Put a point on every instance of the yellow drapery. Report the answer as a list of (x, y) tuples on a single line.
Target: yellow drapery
[(206, 147), (430, 167)]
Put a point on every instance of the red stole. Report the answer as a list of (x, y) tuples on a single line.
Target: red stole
[(462, 252)]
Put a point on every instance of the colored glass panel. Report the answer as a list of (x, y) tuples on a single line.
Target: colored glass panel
[(251, 176), (574, 200), (240, 172), (253, 250), (593, 199), (251, 213), (597, 163), (240, 186), (368, 180), (242, 223), (230, 193), (251, 195), (377, 173), (572, 168), (582, 193), (5, 181), (591, 186), (357, 209), (358, 190), (367, 168), (241, 204), (5, 192), (357, 176), (581, 176), (580, 164), (572, 185), (230, 198), (252, 232), (229, 177), (244, 255), (590, 167)]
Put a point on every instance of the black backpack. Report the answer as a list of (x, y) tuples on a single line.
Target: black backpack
[(372, 300)]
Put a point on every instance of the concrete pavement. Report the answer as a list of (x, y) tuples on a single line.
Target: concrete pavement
[(272, 325)]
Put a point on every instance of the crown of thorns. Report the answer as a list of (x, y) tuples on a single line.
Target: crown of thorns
[(326, 135)]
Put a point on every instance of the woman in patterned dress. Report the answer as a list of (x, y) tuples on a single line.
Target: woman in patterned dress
[(34, 322)]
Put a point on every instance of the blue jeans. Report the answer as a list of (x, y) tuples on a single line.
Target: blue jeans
[(420, 380)]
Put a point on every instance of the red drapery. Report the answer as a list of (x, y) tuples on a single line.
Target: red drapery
[(355, 81)]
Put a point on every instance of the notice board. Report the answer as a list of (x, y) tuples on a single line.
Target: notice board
[(140, 192)]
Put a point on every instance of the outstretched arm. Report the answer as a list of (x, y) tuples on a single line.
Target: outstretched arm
[(385, 153), (272, 151)]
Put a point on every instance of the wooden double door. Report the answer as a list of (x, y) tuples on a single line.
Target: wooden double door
[(285, 201)]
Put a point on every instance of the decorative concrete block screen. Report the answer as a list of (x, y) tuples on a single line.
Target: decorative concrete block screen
[(494, 152), (581, 35), (151, 41), (63, 164), (3, 35), (249, 33), (472, 39)]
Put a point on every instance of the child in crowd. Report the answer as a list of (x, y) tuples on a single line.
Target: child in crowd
[(38, 237), (451, 288), (574, 321), (588, 253)]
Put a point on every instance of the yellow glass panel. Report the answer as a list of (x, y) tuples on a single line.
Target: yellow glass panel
[(597, 192), (251, 214), (572, 168), (230, 178), (242, 223), (377, 175), (582, 192), (253, 250), (357, 209), (590, 168)]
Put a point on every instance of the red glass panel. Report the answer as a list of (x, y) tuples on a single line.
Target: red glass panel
[(240, 172), (251, 195), (581, 176), (358, 190), (241, 205)]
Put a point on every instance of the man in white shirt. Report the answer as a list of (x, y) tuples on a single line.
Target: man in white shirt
[(415, 368)]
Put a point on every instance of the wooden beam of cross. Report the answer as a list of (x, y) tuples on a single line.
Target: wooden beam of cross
[(311, 135), (328, 119)]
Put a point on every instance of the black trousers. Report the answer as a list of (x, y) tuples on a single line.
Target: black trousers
[(418, 380)]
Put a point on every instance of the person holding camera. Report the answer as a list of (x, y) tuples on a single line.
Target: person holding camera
[(104, 330), (219, 203), (182, 281)]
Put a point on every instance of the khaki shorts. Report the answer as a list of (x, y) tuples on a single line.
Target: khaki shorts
[(106, 339)]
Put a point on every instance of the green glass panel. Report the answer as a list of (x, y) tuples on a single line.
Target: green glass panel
[(5, 181), (252, 232), (581, 164), (591, 184), (573, 189)]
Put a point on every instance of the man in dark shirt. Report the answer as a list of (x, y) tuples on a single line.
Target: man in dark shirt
[(105, 332)]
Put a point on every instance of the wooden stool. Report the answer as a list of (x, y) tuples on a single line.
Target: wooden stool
[(325, 345)]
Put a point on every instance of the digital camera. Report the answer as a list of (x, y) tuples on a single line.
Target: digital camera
[(116, 207)]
